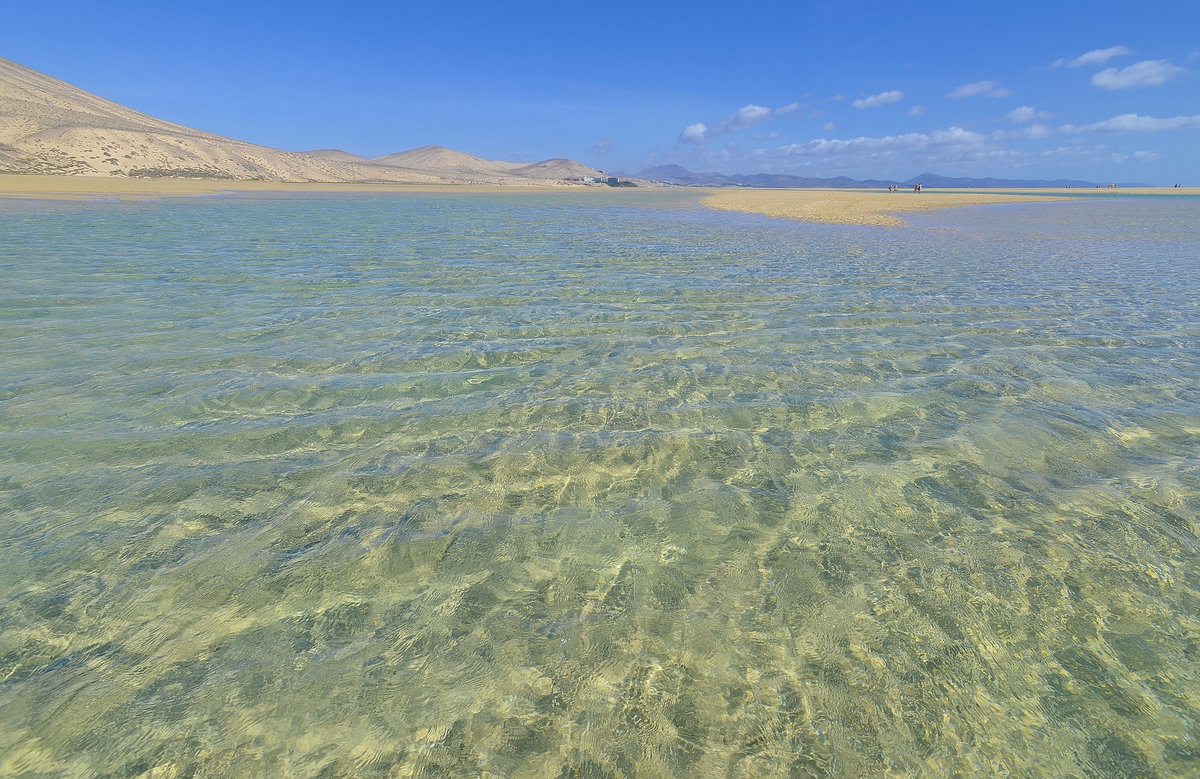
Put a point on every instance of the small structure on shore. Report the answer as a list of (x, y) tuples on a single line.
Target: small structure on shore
[(612, 181)]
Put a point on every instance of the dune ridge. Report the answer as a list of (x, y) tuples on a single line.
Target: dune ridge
[(48, 126)]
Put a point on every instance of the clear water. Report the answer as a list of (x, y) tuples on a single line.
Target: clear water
[(597, 485)]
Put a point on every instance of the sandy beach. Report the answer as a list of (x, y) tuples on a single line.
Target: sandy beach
[(879, 207)]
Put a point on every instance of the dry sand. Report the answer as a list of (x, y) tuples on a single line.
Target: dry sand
[(856, 206), (878, 207)]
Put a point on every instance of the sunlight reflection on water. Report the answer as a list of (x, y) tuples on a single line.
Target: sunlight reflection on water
[(597, 486)]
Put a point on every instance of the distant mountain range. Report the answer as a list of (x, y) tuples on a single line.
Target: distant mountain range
[(675, 174), (49, 126)]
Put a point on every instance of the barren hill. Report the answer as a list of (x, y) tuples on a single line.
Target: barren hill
[(431, 158), (447, 161), (49, 126), (556, 169), (337, 155)]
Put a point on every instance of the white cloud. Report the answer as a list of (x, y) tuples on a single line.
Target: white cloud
[(829, 127), (1039, 131), (1137, 156), (917, 110), (985, 88), (882, 99), (694, 133), (1133, 123), (956, 145), (1125, 123), (746, 116), (1026, 114), (1148, 73), (954, 138), (1094, 57)]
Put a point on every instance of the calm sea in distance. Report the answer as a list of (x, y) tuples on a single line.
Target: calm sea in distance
[(597, 485)]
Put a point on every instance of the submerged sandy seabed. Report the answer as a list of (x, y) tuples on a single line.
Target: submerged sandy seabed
[(829, 206)]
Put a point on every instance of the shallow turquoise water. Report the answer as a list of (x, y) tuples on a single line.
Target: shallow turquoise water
[(597, 485)]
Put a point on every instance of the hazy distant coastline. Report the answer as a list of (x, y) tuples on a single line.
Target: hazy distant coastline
[(678, 175)]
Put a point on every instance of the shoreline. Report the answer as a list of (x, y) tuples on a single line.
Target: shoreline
[(871, 207), (52, 187)]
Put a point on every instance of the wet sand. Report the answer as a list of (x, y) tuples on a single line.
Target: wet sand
[(879, 207)]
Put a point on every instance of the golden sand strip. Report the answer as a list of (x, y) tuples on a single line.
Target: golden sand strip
[(878, 207), (856, 206)]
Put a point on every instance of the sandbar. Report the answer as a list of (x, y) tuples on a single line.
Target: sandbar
[(880, 207)]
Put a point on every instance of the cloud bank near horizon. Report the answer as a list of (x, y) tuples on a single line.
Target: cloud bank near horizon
[(965, 130), (956, 144)]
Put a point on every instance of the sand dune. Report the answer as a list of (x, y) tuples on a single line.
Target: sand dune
[(436, 159), (48, 126), (336, 155), (431, 158), (556, 169)]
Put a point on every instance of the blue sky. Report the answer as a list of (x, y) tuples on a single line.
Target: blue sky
[(1104, 91)]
